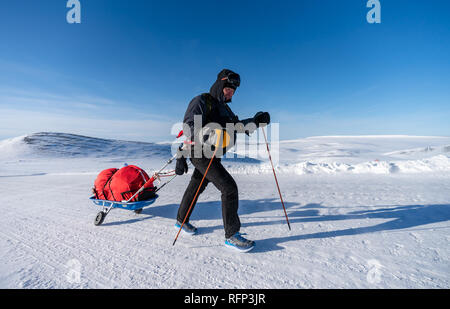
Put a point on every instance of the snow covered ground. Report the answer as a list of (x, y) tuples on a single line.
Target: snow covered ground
[(365, 212)]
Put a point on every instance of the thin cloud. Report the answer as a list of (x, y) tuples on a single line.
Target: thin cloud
[(15, 122)]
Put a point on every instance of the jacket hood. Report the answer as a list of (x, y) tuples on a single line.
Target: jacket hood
[(217, 88)]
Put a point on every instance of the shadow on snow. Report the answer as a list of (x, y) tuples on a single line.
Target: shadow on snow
[(402, 217)]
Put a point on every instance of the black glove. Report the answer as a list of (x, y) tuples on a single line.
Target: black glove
[(181, 166), (261, 119)]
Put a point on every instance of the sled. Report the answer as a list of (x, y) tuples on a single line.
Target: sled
[(110, 205), (133, 206)]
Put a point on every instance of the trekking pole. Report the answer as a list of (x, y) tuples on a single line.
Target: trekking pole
[(196, 193), (276, 180)]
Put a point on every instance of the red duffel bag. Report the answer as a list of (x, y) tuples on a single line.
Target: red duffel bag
[(101, 189), (124, 183)]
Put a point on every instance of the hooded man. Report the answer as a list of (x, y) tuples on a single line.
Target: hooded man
[(211, 108)]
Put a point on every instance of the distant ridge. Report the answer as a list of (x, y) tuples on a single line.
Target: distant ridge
[(321, 155), (73, 145)]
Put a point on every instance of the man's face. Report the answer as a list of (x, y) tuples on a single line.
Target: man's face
[(228, 93)]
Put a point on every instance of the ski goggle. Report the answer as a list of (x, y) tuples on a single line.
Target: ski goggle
[(233, 79)]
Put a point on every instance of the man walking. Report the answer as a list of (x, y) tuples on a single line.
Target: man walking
[(213, 107)]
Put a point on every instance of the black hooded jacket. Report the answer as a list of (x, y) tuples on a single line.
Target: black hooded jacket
[(216, 110)]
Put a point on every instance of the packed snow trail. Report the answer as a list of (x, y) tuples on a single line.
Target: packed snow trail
[(336, 233)]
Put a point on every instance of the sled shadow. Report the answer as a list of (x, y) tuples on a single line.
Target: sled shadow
[(136, 218), (403, 217)]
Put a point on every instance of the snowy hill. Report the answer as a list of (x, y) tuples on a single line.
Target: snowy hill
[(49, 144), (365, 211), (359, 154), (325, 155)]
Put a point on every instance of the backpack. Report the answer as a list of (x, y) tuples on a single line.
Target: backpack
[(122, 184)]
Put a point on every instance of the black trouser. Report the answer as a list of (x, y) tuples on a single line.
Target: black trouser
[(223, 181)]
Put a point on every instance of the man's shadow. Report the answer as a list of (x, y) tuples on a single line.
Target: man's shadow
[(402, 217), (213, 210), (204, 211)]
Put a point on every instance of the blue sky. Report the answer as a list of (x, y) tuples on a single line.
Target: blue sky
[(130, 68)]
